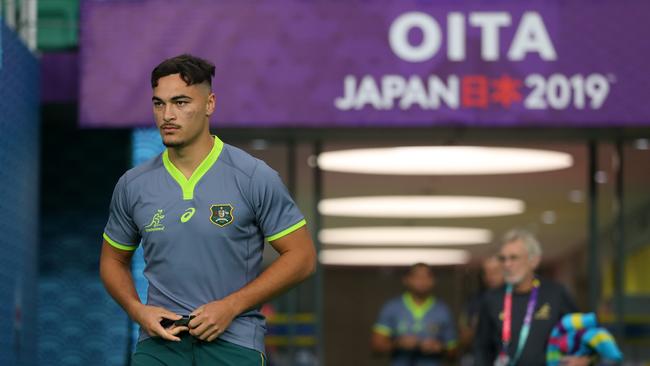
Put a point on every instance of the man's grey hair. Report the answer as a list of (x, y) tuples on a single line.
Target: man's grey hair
[(530, 241)]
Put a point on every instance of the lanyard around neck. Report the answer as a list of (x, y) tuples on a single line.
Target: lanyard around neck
[(506, 335)]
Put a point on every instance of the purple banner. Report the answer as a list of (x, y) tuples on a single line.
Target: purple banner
[(326, 63)]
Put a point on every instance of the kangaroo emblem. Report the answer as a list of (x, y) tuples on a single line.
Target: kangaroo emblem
[(155, 224)]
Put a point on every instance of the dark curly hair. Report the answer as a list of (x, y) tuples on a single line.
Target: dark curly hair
[(192, 69)]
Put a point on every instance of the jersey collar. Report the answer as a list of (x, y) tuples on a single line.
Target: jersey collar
[(417, 311), (187, 185)]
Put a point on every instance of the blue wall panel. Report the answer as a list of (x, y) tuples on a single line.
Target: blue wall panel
[(19, 200)]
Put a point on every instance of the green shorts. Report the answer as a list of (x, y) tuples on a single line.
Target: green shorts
[(193, 352)]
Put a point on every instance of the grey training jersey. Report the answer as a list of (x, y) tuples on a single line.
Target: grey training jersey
[(401, 316), (202, 237)]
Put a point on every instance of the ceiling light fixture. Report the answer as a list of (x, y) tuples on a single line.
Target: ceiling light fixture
[(642, 144), (576, 196), (549, 217), (405, 235), (420, 206), (443, 160), (392, 257)]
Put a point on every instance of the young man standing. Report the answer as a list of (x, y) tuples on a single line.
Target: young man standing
[(202, 210), (416, 329)]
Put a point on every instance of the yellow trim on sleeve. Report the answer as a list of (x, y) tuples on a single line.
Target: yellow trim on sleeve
[(287, 231), (382, 329), (117, 245)]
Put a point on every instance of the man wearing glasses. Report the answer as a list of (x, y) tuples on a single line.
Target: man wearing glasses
[(516, 320)]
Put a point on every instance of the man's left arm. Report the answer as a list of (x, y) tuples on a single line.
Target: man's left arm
[(296, 262), (446, 340), (449, 333)]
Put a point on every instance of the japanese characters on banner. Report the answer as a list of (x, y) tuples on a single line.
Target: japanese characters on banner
[(291, 63), (557, 91)]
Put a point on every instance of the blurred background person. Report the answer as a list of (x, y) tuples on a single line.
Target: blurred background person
[(516, 320), (491, 278), (415, 329)]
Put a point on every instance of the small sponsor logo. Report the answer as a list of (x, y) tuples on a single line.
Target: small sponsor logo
[(187, 215)]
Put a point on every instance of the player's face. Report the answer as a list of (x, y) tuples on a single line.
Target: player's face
[(181, 112), (420, 281), (517, 264)]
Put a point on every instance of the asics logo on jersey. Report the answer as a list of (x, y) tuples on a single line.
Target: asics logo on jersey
[(188, 214), (155, 224), (222, 214)]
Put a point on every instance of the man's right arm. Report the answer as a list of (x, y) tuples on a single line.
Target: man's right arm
[(383, 334), (115, 272), (381, 343)]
